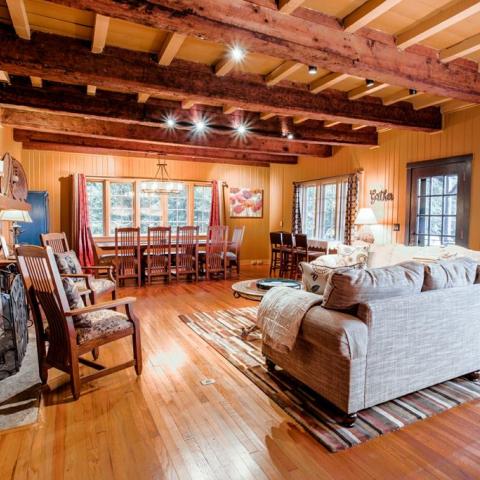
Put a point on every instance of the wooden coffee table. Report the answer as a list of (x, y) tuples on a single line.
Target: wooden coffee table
[(248, 289)]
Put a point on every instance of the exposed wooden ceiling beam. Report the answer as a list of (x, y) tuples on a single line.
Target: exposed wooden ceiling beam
[(224, 65), (36, 82), (188, 104), (365, 90), (18, 14), (299, 120), (91, 90), (88, 127), (456, 106), (288, 6), (100, 32), (430, 102), (272, 33), (400, 96), (229, 109), (440, 21), (130, 71), (331, 124), (282, 72), (366, 13), (462, 49), (358, 127), (170, 47), (328, 81), (143, 97), (4, 76), (70, 100), (42, 140), (267, 115)]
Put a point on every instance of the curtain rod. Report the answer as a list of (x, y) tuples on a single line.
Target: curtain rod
[(360, 170), (106, 177)]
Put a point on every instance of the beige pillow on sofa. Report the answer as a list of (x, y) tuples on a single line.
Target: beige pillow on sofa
[(459, 272), (347, 287)]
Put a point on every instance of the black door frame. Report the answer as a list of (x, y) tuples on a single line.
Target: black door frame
[(463, 207)]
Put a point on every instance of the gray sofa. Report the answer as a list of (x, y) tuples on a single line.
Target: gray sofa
[(389, 348)]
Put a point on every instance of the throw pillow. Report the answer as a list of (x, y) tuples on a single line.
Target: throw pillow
[(347, 287), (352, 254), (75, 301), (315, 276), (458, 272), (67, 262)]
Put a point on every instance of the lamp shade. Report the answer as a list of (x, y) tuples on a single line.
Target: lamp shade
[(15, 216), (365, 216)]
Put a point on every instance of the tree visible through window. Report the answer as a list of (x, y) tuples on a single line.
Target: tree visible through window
[(150, 208), (202, 202), (121, 205), (95, 206), (177, 209)]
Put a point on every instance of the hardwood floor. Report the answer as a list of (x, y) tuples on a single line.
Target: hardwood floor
[(165, 424)]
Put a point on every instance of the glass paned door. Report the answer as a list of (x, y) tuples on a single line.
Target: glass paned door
[(438, 199)]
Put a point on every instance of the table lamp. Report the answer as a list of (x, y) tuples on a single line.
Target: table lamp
[(15, 216), (365, 218)]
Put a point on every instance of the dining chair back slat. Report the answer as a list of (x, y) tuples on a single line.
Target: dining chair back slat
[(186, 258), (57, 241), (158, 253), (216, 251), (234, 249), (127, 254)]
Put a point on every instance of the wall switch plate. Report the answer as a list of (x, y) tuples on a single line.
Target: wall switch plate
[(396, 227)]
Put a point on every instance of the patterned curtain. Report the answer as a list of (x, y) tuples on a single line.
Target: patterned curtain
[(80, 238), (296, 210), (352, 206), (215, 207)]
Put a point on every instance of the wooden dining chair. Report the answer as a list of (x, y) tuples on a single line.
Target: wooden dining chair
[(233, 249), (72, 329), (158, 254), (275, 252), (186, 257), (127, 254), (100, 256), (216, 251), (57, 241), (286, 255)]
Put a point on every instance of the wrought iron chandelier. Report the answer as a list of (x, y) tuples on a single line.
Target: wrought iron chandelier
[(162, 185)]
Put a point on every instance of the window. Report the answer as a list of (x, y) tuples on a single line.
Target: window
[(323, 207), (177, 209), (202, 201), (439, 202), (95, 192), (124, 203), (121, 205)]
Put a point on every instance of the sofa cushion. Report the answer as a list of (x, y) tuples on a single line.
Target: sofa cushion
[(347, 288), (459, 272), (315, 276), (352, 254), (339, 332)]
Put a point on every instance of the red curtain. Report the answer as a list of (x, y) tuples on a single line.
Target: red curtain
[(83, 245), (215, 207)]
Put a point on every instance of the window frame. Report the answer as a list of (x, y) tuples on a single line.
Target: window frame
[(136, 181)]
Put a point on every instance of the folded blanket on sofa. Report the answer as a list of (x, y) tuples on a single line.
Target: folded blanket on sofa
[(280, 316)]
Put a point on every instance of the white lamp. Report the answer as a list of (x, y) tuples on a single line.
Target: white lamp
[(15, 216), (365, 217)]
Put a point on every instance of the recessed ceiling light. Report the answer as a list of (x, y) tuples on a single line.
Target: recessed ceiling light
[(242, 129), (237, 53), (290, 136), (312, 69), (171, 122), (200, 125), (412, 91), (370, 82)]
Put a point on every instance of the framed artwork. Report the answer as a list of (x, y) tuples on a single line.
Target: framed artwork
[(246, 203)]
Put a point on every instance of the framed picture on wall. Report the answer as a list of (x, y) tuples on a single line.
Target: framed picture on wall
[(246, 203)]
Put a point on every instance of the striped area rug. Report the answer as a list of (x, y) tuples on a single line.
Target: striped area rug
[(221, 330)]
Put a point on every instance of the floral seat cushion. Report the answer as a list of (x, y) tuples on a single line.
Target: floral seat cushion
[(99, 285), (103, 322)]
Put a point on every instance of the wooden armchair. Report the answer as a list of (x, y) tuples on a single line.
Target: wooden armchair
[(234, 247), (72, 332), (216, 251), (186, 258), (96, 279), (158, 254)]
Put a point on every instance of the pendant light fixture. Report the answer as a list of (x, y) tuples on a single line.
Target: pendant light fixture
[(162, 185)]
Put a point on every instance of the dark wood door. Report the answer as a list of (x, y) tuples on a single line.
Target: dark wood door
[(439, 194)]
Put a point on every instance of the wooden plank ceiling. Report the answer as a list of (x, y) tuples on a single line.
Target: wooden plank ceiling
[(253, 81)]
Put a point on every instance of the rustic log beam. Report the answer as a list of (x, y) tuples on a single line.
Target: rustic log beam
[(18, 14), (290, 37), (71, 100), (133, 72), (29, 136), (366, 13), (88, 127)]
